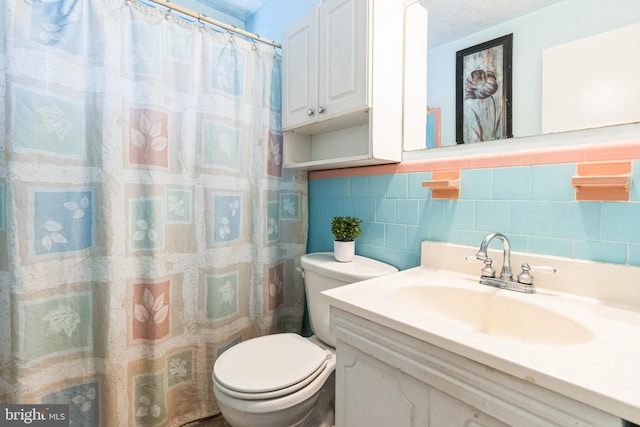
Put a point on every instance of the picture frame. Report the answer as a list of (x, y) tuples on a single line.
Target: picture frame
[(483, 91)]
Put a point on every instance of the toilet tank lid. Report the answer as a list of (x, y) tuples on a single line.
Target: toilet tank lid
[(361, 268)]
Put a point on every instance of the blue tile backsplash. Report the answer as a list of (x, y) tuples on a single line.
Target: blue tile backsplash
[(533, 205)]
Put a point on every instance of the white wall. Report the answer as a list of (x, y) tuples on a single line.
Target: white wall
[(276, 15), (560, 23)]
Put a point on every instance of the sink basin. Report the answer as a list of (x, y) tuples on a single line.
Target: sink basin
[(491, 312)]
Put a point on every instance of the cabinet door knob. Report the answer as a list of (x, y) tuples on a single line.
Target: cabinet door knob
[(310, 112), (320, 109)]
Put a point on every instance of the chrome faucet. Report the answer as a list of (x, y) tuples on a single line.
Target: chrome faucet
[(505, 273), (524, 281)]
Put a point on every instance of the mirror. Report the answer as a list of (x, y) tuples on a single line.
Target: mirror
[(542, 30)]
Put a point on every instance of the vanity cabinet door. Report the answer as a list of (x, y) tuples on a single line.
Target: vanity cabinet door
[(372, 393), (447, 411)]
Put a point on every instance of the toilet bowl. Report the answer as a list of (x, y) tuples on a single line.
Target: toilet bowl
[(276, 399), (283, 380)]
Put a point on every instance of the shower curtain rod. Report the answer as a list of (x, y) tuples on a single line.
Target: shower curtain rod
[(204, 18)]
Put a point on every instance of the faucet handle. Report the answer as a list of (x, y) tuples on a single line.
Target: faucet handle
[(546, 269), (526, 278), (488, 270)]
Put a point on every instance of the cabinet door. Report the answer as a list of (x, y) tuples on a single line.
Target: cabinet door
[(342, 57), (299, 73), (372, 393), (446, 411)]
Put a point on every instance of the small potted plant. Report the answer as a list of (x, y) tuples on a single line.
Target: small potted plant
[(345, 229)]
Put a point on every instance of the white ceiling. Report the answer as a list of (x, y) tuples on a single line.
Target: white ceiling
[(448, 19)]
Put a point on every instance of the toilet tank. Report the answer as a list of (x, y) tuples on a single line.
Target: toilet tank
[(322, 272)]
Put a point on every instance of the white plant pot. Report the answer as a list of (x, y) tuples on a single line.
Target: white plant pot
[(344, 251)]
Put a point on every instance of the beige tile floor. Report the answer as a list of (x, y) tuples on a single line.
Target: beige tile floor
[(216, 421)]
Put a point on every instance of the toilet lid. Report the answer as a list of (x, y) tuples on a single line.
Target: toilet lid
[(268, 363)]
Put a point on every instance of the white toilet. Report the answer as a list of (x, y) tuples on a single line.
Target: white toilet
[(284, 380)]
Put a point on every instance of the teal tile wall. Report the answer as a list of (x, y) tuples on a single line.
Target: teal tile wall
[(533, 205)]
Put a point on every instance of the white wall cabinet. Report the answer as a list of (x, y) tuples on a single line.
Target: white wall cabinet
[(384, 377), (344, 87), (326, 64)]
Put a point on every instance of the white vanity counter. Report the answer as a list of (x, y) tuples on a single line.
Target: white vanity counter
[(583, 347)]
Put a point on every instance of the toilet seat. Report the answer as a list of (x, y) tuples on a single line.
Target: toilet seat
[(271, 394), (269, 367)]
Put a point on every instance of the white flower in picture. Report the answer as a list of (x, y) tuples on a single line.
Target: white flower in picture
[(227, 292), (178, 368), (224, 230), (156, 411), (85, 401), (273, 226), (225, 144), (78, 208), (276, 153), (151, 309), (55, 121), (144, 230), (63, 320), (234, 207), (276, 285), (50, 32), (289, 206), (148, 135), (176, 206), (147, 407), (53, 234)]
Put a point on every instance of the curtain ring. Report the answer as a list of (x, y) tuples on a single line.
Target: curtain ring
[(254, 44), (200, 16)]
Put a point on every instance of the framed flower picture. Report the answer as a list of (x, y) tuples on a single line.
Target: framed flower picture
[(483, 91)]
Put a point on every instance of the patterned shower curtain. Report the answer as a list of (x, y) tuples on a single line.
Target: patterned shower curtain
[(146, 223)]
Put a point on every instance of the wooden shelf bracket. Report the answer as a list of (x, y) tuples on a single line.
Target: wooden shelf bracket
[(602, 181), (444, 185)]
